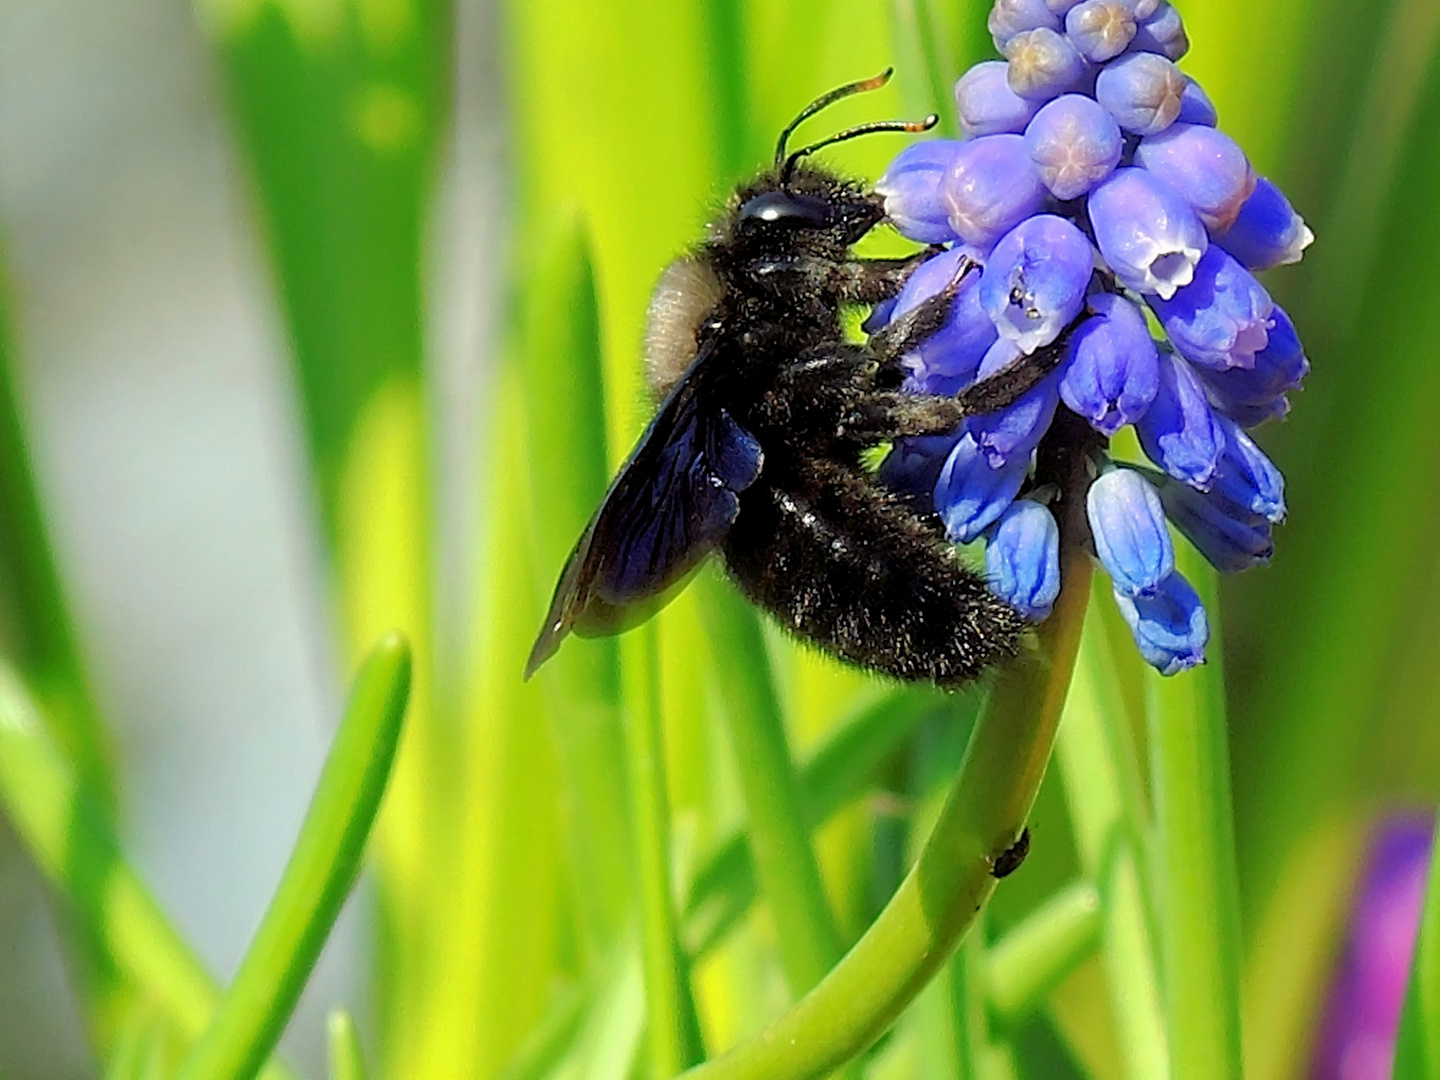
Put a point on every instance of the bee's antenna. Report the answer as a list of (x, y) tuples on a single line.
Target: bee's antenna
[(824, 100), (854, 133)]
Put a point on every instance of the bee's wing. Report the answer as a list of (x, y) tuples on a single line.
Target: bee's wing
[(670, 506)]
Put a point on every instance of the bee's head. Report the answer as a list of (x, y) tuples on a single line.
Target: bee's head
[(794, 206)]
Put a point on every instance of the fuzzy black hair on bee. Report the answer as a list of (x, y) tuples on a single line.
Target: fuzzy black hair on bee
[(766, 411)]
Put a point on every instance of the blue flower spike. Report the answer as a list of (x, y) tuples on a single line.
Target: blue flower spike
[(1093, 182)]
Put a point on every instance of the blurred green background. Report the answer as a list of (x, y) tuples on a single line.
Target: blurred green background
[(322, 317)]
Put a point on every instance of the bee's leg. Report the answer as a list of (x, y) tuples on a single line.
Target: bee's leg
[(906, 332), (869, 281)]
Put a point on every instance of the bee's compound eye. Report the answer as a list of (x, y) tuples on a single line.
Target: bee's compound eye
[(784, 207)]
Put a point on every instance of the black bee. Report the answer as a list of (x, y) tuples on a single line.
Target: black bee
[(756, 449)]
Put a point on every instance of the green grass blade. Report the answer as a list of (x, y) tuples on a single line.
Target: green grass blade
[(778, 822), (938, 901), (564, 457), (33, 604), (673, 1030), (347, 1062), (1417, 1046), (321, 871), (1030, 960), (69, 838), (1197, 893), (1097, 762), (835, 775)]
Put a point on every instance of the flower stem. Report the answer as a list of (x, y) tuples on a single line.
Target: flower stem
[(950, 882)]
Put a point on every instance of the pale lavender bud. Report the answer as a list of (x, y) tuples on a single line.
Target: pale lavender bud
[(1144, 92), (969, 494), (991, 186), (911, 188), (1196, 106), (1022, 559), (1034, 283), (1101, 29), (1148, 233), (1267, 232), (1204, 165), (1075, 144), (1011, 17), (987, 105), (1170, 628), (1060, 7), (1127, 523), (1043, 64), (1180, 432), (1222, 318), (1112, 373), (1162, 32)]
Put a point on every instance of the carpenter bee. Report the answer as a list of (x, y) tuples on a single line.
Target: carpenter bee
[(757, 448)]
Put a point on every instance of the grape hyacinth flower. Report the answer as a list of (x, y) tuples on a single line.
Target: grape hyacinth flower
[(1358, 1029), (1092, 185)]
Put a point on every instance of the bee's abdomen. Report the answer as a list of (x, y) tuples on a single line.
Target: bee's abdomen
[(844, 563)]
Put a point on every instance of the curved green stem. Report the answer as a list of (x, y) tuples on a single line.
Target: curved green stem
[(950, 882), (346, 1060), (318, 877)]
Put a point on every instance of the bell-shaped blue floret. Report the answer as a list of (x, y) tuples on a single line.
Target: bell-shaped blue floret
[(1034, 282), (1170, 628), (1180, 432), (1075, 144), (987, 105), (990, 187), (1112, 373), (1043, 64), (1222, 318), (1127, 522), (1204, 165), (1248, 478), (1230, 537), (1258, 392), (1267, 232), (911, 188), (947, 361), (1022, 558), (969, 494), (1142, 91), (1147, 232), (1013, 433)]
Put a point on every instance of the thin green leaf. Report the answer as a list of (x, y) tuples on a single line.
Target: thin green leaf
[(938, 901), (71, 841), (1029, 961), (319, 875), (674, 1038), (1197, 894), (836, 774), (347, 1061), (778, 821)]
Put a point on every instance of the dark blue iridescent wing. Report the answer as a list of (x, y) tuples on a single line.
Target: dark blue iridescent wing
[(670, 506)]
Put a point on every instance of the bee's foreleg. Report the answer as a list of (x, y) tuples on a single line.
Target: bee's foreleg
[(907, 331), (869, 281), (894, 414)]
